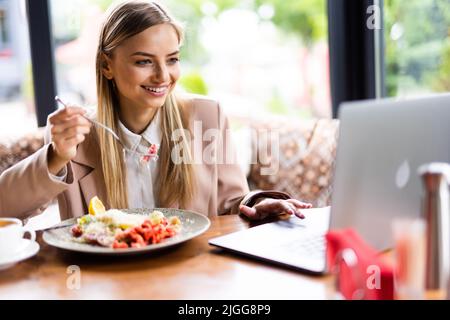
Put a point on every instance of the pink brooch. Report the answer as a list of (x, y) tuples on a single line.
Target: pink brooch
[(152, 153)]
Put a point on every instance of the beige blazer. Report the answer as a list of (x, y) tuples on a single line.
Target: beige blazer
[(27, 188)]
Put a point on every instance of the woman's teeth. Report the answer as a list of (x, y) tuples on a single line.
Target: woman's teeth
[(157, 90)]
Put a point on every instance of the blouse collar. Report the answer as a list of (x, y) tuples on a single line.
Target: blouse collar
[(152, 134)]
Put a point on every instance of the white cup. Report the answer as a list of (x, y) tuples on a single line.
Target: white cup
[(11, 237)]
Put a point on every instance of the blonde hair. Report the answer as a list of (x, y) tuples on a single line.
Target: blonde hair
[(175, 181)]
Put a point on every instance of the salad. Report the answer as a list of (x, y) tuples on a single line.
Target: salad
[(117, 229)]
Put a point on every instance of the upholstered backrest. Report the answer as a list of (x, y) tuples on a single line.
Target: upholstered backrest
[(12, 151), (303, 167), (307, 150)]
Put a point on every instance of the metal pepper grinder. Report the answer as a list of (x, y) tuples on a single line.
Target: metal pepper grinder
[(436, 180)]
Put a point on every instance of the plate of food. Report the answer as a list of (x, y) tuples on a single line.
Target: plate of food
[(126, 231)]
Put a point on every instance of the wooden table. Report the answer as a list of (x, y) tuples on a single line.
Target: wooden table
[(193, 270)]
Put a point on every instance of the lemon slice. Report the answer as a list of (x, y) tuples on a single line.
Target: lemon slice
[(96, 206)]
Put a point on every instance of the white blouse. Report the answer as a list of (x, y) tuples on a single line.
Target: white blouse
[(141, 175)]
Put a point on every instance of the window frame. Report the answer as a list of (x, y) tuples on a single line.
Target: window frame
[(357, 69), (42, 58)]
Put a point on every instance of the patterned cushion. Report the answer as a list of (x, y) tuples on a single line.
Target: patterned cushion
[(15, 151), (306, 158)]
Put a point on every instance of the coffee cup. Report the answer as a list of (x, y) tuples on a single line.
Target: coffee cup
[(11, 237)]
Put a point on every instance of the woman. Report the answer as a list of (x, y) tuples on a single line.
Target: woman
[(137, 69)]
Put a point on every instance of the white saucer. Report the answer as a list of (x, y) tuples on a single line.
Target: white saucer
[(30, 250)]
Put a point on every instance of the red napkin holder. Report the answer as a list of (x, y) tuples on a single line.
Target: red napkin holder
[(361, 272)]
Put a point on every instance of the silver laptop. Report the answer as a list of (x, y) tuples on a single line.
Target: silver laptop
[(381, 144)]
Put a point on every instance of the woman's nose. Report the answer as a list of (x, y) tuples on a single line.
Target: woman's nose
[(161, 74)]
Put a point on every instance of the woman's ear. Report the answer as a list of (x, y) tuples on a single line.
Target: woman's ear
[(106, 67)]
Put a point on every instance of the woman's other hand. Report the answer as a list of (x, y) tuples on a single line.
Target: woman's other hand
[(68, 129), (274, 207)]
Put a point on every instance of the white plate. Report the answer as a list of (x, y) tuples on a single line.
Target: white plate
[(193, 224), (31, 248)]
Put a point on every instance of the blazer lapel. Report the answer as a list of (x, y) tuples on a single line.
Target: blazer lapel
[(87, 168)]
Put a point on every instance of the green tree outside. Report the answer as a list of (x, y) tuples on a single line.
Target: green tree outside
[(417, 34)]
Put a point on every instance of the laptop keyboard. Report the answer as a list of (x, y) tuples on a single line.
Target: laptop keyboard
[(312, 246)]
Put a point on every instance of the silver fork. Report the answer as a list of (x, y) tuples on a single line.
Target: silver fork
[(59, 226), (58, 99)]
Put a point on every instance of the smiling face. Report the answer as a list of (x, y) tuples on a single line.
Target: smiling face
[(145, 68)]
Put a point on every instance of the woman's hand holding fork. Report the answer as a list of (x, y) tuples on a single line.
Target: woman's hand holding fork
[(68, 128)]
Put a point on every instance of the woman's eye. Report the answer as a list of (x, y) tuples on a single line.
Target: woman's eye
[(174, 60), (143, 62)]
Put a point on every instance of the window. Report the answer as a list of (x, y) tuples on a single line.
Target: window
[(256, 56), (17, 115), (259, 56), (417, 53), (76, 25)]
